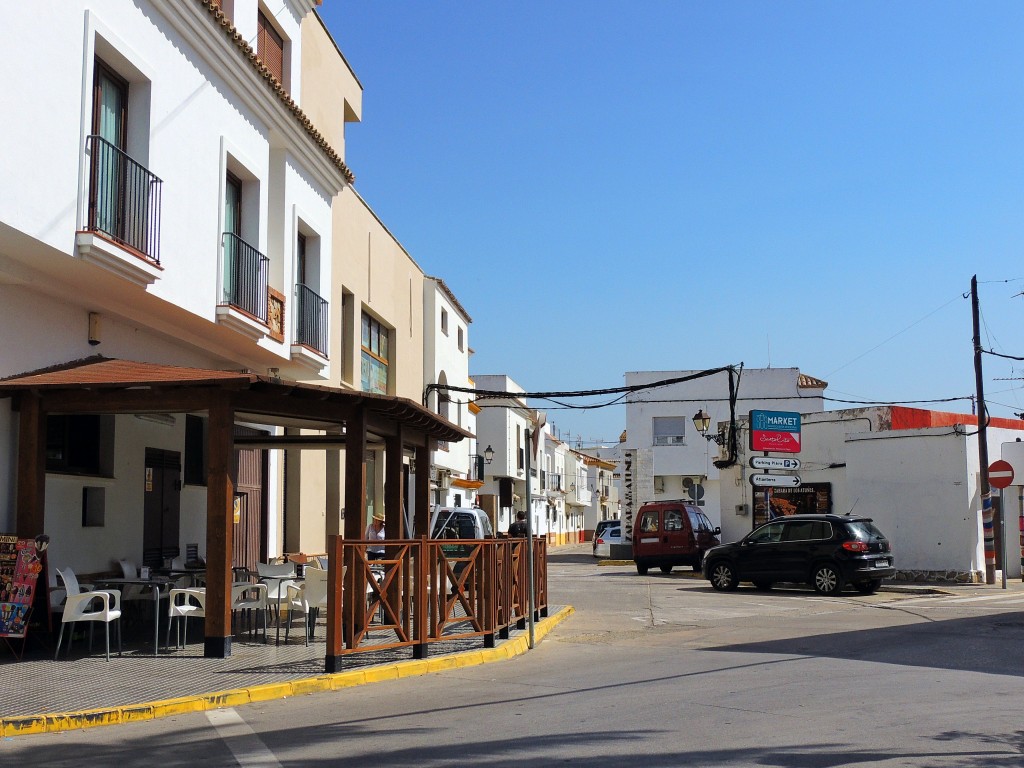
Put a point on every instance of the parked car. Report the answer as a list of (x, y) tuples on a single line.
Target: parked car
[(602, 526), (826, 551), (460, 523), (603, 543), (670, 533)]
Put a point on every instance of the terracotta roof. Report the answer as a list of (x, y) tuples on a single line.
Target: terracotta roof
[(275, 85), (809, 382), (99, 371), (318, 402)]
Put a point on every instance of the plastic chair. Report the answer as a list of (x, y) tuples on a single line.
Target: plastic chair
[(308, 598), (277, 577), (185, 603), (94, 605), (246, 597)]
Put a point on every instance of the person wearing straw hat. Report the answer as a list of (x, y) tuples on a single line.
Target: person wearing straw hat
[(375, 532)]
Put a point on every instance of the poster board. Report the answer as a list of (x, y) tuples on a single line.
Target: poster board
[(20, 566)]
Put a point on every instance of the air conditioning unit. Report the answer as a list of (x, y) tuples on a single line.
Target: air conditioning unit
[(687, 482), (444, 479)]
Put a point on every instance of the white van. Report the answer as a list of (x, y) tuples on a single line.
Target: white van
[(460, 523)]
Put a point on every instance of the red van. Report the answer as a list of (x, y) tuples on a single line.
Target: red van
[(670, 533)]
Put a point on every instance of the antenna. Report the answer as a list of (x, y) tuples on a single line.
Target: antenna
[(768, 339), (853, 507)]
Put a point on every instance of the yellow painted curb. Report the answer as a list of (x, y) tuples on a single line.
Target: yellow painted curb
[(69, 721)]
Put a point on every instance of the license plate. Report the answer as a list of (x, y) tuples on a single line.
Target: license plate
[(881, 563)]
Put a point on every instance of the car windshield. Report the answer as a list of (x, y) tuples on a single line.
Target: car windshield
[(864, 530)]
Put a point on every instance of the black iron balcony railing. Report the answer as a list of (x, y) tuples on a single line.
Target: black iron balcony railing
[(124, 199), (310, 319), (245, 277)]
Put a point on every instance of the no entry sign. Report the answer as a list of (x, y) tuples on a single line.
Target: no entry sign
[(1000, 474)]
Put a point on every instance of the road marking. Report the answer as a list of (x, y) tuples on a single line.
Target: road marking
[(965, 602), (249, 751)]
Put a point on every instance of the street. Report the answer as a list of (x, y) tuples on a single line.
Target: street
[(649, 671)]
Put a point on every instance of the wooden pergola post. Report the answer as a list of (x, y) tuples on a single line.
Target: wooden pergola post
[(220, 497), (31, 495), (394, 486), (421, 503)]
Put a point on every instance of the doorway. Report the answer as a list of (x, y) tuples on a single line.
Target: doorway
[(161, 507)]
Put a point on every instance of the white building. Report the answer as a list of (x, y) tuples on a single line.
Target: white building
[(914, 472), (503, 425), (457, 466), (165, 200), (668, 458)]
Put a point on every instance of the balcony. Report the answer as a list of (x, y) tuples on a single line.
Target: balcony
[(309, 346), (246, 297), (122, 227)]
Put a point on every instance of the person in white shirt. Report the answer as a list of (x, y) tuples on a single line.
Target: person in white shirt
[(375, 532)]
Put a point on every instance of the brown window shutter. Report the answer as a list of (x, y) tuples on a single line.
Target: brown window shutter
[(270, 47)]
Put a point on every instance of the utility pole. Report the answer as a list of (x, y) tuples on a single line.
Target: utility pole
[(984, 489)]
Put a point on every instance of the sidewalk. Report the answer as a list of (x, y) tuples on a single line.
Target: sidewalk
[(41, 695)]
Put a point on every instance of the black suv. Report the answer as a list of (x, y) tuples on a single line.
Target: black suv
[(826, 551)]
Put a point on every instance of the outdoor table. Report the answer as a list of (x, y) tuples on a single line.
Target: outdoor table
[(155, 582)]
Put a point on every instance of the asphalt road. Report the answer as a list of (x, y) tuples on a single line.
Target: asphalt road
[(649, 671)]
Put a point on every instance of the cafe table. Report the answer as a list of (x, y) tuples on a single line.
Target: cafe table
[(156, 584)]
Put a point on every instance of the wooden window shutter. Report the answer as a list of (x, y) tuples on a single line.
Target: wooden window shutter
[(270, 47)]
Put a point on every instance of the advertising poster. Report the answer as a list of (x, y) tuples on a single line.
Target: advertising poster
[(20, 566)]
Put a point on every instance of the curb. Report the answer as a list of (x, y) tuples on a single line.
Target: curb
[(130, 713)]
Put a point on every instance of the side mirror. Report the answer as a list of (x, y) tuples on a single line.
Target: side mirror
[(717, 531)]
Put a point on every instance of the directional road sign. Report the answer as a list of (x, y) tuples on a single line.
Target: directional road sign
[(775, 481), (1000, 474), (774, 462)]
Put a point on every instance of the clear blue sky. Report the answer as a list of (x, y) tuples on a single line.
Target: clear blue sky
[(666, 185)]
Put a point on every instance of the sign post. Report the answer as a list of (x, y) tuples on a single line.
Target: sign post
[(1000, 475)]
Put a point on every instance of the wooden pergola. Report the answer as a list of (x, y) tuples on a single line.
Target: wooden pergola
[(109, 386)]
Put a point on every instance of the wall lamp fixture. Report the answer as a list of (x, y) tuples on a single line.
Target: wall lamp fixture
[(702, 421), (488, 454)]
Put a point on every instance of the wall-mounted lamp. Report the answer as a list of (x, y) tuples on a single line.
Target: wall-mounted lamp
[(42, 542), (94, 328), (488, 454), (702, 421)]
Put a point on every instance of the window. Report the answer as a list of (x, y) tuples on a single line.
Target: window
[(79, 444), (462, 340), (300, 261), (444, 321), (270, 46), (669, 430), (110, 127), (374, 356)]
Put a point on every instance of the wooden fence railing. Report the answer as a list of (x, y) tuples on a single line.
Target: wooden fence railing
[(426, 591)]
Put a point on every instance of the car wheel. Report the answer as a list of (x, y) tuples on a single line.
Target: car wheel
[(763, 585), (868, 587), (827, 580), (722, 576), (666, 569), (641, 568)]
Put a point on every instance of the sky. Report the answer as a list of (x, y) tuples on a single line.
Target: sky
[(668, 185)]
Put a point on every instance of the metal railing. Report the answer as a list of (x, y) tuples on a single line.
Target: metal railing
[(310, 319), (245, 277), (426, 591), (124, 199)]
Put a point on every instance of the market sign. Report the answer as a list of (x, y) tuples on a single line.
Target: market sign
[(777, 431)]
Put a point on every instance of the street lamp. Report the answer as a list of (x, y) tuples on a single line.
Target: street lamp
[(488, 454), (702, 421)]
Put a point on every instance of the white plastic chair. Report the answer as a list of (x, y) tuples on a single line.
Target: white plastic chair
[(94, 605), (308, 597), (277, 577), (246, 597), (185, 603)]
